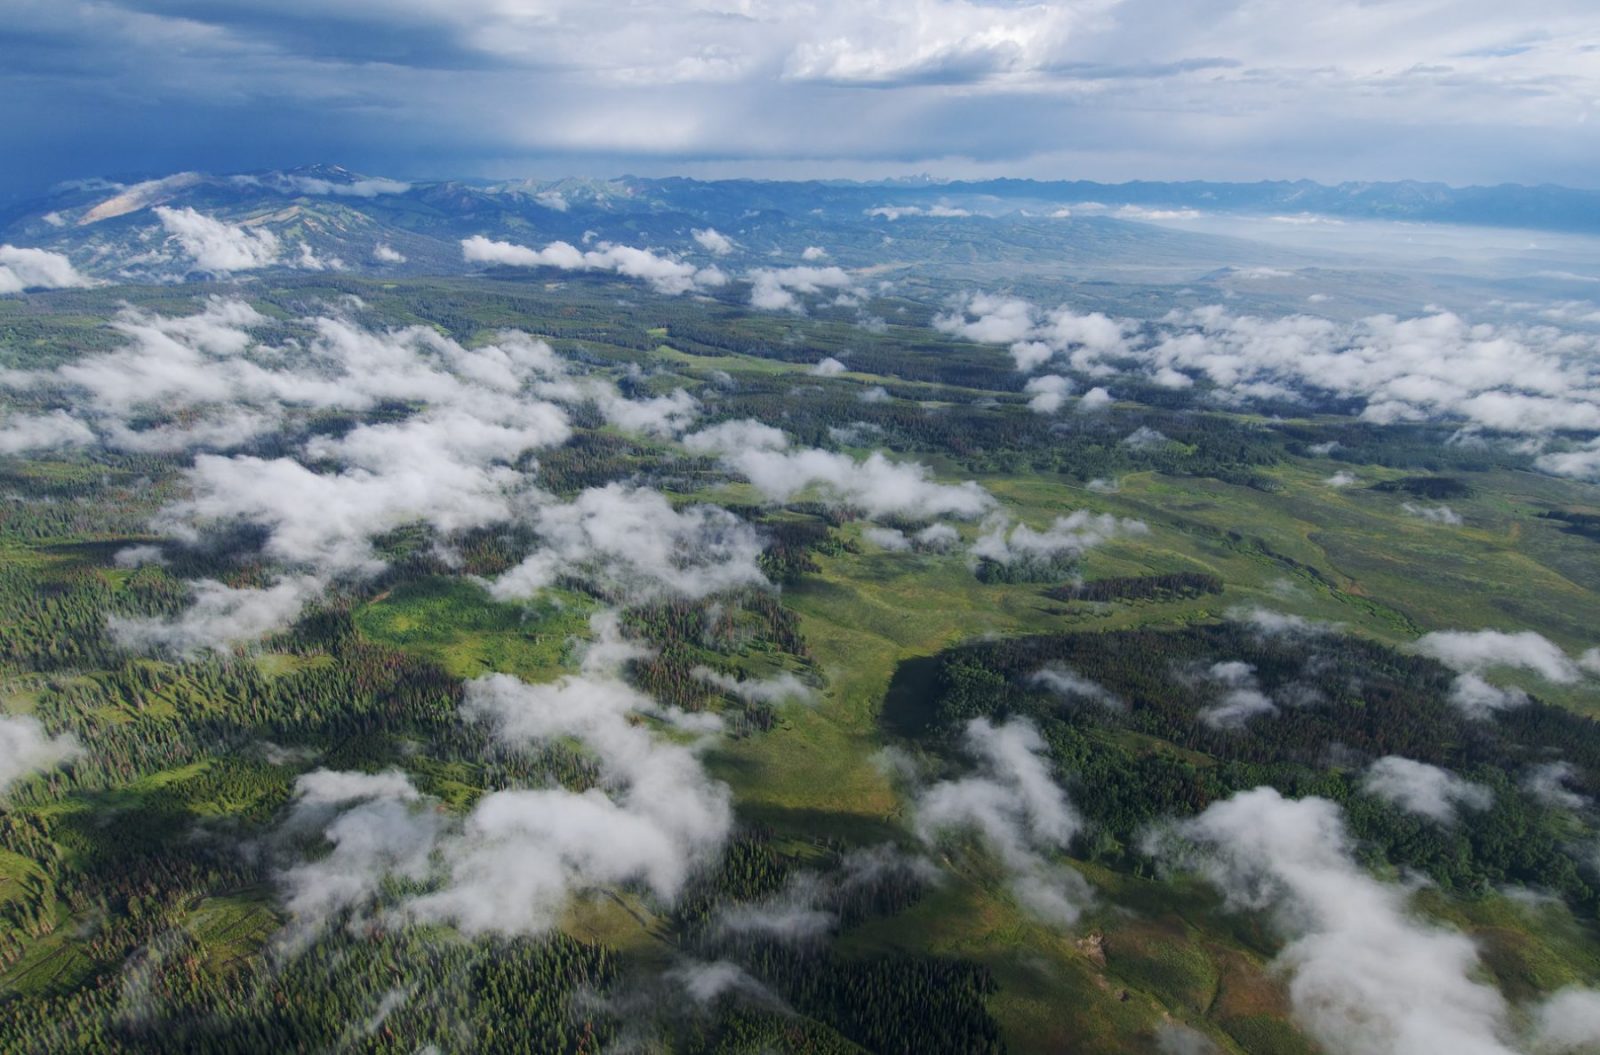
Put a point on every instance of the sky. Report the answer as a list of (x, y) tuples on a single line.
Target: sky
[(1463, 91)]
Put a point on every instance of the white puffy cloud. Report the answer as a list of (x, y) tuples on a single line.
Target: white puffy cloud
[(1070, 685), (1268, 623), (1423, 789), (828, 366), (218, 616), (887, 538), (895, 212), (1515, 378), (22, 268), (633, 542), (989, 319), (369, 187), (25, 748), (1241, 699), (1439, 514), (806, 908), (664, 274), (875, 485), (42, 432), (1474, 651), (1366, 976), (511, 865), (1049, 392), (1067, 536), (384, 253), (713, 241), (522, 853), (813, 253), (778, 688), (1019, 811), (215, 245), (731, 437), (1568, 1022), (327, 520), (1548, 784), (1341, 479), (1582, 462), (1144, 438), (377, 826), (1096, 398), (775, 289), (308, 260)]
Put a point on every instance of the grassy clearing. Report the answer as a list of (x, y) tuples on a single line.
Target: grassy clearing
[(455, 623)]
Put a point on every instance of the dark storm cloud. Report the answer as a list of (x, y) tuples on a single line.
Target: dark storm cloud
[(1104, 88)]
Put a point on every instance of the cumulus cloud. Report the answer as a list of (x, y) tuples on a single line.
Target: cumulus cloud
[(1018, 810), (1548, 784), (895, 212), (1582, 462), (218, 616), (1423, 789), (775, 289), (43, 432), (1474, 651), (1036, 337), (808, 906), (1067, 537), (828, 367), (1144, 438), (1070, 685), (1049, 392), (384, 253), (875, 485), (631, 541), (1533, 379), (25, 748), (215, 245), (1268, 623), (660, 416), (1096, 398), (664, 274), (447, 465), (327, 520), (22, 268), (370, 187), (1366, 976), (314, 186), (1439, 514), (522, 853), (887, 538), (1241, 699), (731, 437), (377, 825), (779, 688), (1342, 479), (713, 241), (812, 253), (1568, 1022), (511, 865)]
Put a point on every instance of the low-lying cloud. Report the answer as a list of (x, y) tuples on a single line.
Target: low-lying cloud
[(1018, 810), (215, 245), (1512, 378), (663, 273), (22, 268), (25, 748), (1366, 975)]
